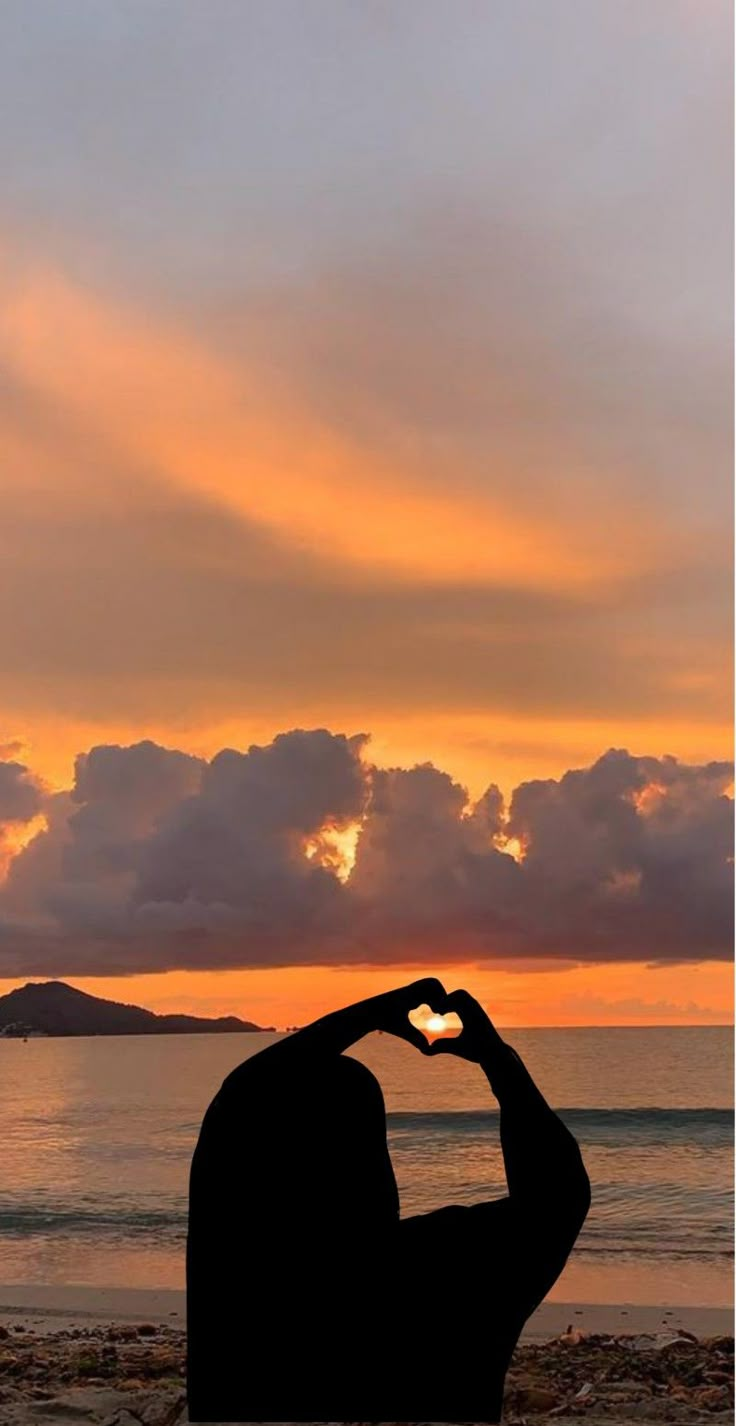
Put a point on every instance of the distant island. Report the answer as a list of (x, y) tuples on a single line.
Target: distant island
[(55, 1008)]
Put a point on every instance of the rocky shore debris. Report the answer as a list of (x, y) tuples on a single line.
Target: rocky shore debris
[(133, 1374), (669, 1376)]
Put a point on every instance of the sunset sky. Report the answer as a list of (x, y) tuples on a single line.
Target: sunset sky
[(367, 387)]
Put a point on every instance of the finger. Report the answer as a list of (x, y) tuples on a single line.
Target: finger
[(428, 989), (445, 1047), (416, 1038), (474, 1018), (456, 998), (465, 1005)]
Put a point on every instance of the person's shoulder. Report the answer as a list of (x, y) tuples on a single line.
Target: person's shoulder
[(244, 1076), (430, 1228), (455, 1215), (420, 1222), (460, 1227)]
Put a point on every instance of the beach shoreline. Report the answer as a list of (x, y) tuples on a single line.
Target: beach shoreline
[(55, 1307)]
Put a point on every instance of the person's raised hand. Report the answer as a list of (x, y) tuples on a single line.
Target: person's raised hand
[(478, 1040), (391, 1010)]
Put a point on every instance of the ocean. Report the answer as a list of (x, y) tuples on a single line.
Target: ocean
[(97, 1135)]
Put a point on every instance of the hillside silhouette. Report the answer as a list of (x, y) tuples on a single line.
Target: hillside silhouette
[(56, 1008)]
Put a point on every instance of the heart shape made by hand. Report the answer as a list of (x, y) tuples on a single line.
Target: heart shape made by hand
[(435, 1026)]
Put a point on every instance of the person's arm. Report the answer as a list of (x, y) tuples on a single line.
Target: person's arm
[(544, 1167), (333, 1033), (549, 1189)]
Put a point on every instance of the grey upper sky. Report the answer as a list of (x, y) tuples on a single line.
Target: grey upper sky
[(223, 142)]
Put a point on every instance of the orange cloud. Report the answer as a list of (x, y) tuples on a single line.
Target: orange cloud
[(160, 399), (306, 852)]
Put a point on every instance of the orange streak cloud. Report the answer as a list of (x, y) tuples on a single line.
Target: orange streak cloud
[(166, 403)]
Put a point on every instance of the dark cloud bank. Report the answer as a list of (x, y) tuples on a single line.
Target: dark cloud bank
[(156, 859)]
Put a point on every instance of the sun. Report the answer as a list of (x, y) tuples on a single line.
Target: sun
[(436, 1024)]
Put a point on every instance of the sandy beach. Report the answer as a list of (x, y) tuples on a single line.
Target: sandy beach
[(115, 1357), (53, 1308)]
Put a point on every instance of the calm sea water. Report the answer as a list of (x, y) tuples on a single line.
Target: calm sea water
[(97, 1135)]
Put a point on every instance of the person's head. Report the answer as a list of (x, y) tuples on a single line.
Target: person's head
[(319, 1160)]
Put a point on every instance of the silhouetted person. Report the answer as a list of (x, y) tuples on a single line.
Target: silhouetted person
[(308, 1297)]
